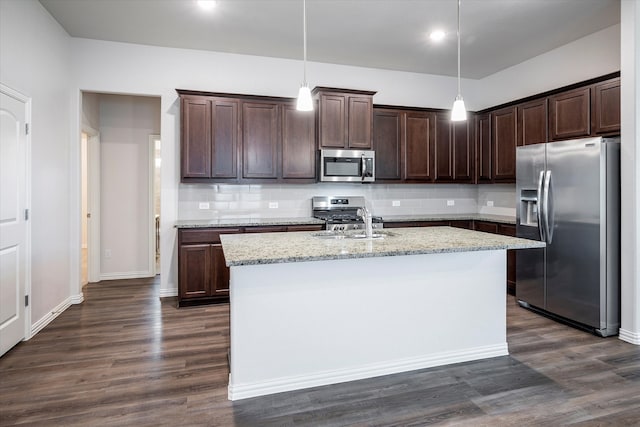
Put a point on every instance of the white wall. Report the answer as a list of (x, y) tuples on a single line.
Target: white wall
[(126, 215), (591, 56), (630, 170), (36, 62)]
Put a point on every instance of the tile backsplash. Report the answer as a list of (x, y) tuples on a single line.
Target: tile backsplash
[(213, 201)]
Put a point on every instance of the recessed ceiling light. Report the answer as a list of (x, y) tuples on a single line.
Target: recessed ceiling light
[(437, 35), (207, 4)]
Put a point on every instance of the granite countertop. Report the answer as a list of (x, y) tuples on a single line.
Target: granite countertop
[(246, 222), (273, 248), (504, 219)]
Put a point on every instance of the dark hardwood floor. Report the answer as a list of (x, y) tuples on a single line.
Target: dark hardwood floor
[(125, 358)]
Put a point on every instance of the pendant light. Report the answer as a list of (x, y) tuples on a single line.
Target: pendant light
[(458, 112), (305, 103)]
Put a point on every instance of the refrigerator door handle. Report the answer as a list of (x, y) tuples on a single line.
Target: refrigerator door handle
[(548, 208), (539, 208)]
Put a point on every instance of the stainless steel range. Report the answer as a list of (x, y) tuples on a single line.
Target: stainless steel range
[(343, 213)]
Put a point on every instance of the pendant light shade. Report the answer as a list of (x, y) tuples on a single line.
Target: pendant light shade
[(305, 103), (458, 112)]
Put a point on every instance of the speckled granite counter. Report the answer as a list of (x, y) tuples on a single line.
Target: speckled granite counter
[(273, 248), (246, 222), (504, 219)]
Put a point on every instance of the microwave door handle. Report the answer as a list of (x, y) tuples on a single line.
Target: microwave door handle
[(364, 167)]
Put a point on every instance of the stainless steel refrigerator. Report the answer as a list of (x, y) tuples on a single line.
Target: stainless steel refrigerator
[(568, 195)]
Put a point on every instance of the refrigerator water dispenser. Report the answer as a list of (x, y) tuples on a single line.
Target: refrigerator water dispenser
[(529, 208)]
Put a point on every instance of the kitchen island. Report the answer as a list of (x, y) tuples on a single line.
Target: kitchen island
[(308, 311)]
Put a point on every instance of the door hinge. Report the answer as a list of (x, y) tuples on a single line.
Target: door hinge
[(26, 300), (26, 128), (26, 214)]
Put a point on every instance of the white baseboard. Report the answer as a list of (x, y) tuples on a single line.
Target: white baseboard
[(77, 299), (171, 292), (49, 317), (127, 275), (243, 391), (630, 337)]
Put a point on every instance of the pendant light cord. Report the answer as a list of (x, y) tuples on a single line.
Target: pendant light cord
[(304, 34), (458, 48)]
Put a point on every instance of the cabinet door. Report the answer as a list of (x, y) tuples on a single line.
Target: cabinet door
[(532, 122), (298, 144), (606, 108), (463, 151), (419, 136), (196, 138), (466, 224), (332, 115), (387, 143), (260, 136), (486, 227), (510, 230), (224, 141), (195, 271), (443, 148), (570, 114), (503, 133), (484, 149), (360, 122), (219, 272)]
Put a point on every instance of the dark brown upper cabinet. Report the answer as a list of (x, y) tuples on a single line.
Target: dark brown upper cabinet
[(260, 140), (240, 138), (503, 141), (532, 122), (403, 141), (388, 135), (606, 107), (454, 149), (196, 137), (484, 149), (345, 118), (419, 134), (298, 144), (570, 114)]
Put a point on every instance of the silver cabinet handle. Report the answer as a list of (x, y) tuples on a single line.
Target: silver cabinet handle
[(539, 210), (548, 221), (364, 167)]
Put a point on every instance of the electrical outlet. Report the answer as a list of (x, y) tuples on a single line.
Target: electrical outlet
[(490, 203), (451, 202), (203, 205), (273, 205), (395, 203), (107, 253)]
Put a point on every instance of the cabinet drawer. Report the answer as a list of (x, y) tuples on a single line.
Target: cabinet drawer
[(507, 230), (486, 227), (206, 235), (309, 227), (266, 229)]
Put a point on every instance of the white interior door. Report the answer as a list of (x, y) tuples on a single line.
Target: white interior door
[(13, 218)]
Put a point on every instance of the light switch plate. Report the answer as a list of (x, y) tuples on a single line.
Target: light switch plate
[(273, 205), (451, 202), (490, 203), (395, 203), (203, 205)]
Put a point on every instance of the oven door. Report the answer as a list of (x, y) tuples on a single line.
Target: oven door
[(347, 165)]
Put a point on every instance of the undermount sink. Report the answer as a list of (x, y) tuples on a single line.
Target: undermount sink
[(355, 234)]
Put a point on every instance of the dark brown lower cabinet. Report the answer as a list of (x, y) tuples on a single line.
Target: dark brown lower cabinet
[(203, 276)]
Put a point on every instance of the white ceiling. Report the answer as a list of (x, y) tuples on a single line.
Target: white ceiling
[(388, 34)]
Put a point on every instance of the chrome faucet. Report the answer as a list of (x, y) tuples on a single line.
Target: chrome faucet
[(364, 213)]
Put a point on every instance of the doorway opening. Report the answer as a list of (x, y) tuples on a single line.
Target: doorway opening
[(120, 186)]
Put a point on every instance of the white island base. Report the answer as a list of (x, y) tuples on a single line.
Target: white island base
[(304, 324)]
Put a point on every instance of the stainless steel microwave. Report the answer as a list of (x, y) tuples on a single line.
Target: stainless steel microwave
[(347, 165)]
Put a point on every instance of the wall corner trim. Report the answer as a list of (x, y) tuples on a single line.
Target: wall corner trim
[(49, 317)]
